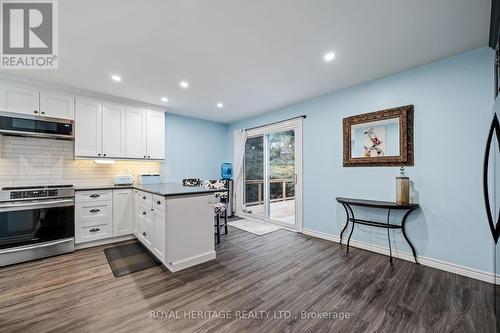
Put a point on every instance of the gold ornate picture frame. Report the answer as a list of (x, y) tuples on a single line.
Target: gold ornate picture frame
[(381, 138)]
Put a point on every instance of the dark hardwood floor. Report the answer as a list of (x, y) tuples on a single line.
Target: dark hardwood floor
[(281, 271)]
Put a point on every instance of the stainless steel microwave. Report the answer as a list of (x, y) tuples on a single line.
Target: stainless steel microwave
[(29, 125)]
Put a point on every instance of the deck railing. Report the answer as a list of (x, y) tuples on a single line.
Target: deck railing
[(260, 190)]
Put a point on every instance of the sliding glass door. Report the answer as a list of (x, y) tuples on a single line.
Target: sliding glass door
[(281, 176), (272, 173), (254, 176)]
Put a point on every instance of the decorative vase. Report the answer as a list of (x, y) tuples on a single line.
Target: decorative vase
[(402, 188)]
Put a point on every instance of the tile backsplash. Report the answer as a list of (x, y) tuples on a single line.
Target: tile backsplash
[(29, 161)]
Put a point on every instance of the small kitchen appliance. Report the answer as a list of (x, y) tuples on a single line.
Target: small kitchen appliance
[(124, 180), (149, 178)]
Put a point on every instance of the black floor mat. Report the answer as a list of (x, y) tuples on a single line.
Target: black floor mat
[(129, 258)]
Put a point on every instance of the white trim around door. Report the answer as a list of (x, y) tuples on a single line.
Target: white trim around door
[(296, 126)]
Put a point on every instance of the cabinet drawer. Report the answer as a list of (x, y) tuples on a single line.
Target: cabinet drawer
[(159, 202), (88, 212), (87, 196), (144, 198), (145, 232), (145, 213), (100, 230)]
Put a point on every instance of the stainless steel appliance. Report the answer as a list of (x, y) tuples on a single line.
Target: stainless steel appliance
[(149, 178), (491, 179), (30, 125), (36, 222)]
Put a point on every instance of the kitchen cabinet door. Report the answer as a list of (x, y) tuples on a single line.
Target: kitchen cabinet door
[(57, 105), (155, 135), (88, 128), (135, 132), (113, 130), (19, 99), (123, 212), (159, 239)]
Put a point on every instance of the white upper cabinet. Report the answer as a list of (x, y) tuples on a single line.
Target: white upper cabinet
[(57, 105), (135, 129), (113, 130), (19, 99), (155, 135), (88, 128)]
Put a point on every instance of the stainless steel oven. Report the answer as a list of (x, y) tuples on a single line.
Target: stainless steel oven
[(36, 222)]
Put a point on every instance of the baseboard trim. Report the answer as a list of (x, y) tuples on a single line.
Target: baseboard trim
[(430, 262), (103, 242)]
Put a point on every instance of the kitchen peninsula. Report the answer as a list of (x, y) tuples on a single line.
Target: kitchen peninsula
[(175, 223)]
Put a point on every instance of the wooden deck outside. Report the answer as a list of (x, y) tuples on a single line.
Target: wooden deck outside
[(283, 211)]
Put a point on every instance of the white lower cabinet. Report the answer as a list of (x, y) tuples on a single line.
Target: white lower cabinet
[(178, 230), (150, 222), (102, 214), (159, 238), (123, 212), (93, 216)]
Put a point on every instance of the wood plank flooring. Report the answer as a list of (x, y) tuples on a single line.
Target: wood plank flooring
[(280, 271)]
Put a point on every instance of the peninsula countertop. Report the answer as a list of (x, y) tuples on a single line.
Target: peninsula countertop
[(163, 189)]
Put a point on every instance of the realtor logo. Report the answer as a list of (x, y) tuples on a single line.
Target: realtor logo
[(29, 34)]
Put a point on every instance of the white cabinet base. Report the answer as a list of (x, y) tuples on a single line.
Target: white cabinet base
[(189, 262), (103, 242), (183, 228)]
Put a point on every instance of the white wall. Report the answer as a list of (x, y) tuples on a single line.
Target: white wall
[(453, 101)]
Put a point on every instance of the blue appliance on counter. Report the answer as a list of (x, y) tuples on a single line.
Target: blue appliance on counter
[(226, 170)]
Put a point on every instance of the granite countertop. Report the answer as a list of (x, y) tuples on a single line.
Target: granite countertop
[(163, 189), (101, 187)]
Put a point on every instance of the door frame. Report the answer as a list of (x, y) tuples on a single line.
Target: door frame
[(292, 124)]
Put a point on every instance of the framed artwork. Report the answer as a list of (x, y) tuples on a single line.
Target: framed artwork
[(381, 138)]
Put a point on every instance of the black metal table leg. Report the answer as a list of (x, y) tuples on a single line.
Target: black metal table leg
[(346, 223), (403, 223), (352, 229), (388, 235)]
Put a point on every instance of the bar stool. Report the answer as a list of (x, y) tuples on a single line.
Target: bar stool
[(220, 206)]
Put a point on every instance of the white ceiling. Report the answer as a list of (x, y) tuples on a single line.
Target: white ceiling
[(254, 56)]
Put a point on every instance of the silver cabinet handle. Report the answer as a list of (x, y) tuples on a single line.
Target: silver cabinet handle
[(144, 234), (143, 213), (94, 196), (158, 202), (94, 210), (144, 198), (94, 230)]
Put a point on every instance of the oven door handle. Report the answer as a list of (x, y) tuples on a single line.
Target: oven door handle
[(36, 205), (36, 246)]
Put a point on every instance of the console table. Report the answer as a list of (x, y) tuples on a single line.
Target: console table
[(347, 203)]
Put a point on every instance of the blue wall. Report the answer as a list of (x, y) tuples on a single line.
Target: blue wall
[(194, 148), (453, 101)]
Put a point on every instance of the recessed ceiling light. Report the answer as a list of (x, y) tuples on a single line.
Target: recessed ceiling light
[(164, 99), (184, 84), (220, 105), (329, 56), (116, 77)]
